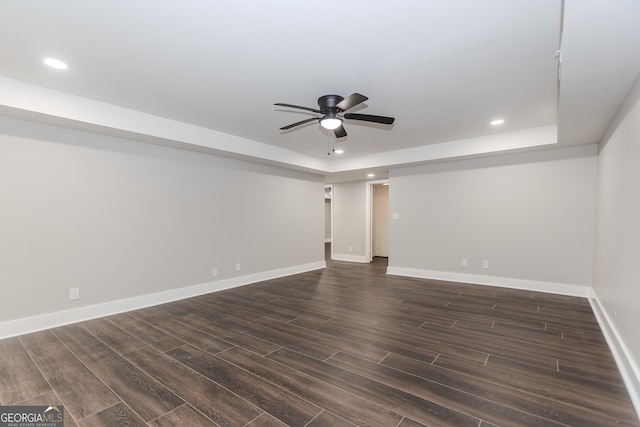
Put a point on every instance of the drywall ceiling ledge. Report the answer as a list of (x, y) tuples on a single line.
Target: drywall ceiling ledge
[(26, 101), (490, 144), (54, 107)]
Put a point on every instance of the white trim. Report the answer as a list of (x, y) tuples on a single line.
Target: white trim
[(628, 369), (327, 240), (502, 282), (51, 320), (350, 258)]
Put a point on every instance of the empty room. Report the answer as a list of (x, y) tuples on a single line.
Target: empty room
[(248, 213)]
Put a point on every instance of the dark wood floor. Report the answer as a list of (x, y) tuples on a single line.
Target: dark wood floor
[(343, 346)]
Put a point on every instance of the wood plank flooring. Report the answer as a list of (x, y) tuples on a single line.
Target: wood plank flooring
[(343, 346)]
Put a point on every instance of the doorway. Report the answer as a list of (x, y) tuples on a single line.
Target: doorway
[(380, 220), (380, 232), (328, 221)]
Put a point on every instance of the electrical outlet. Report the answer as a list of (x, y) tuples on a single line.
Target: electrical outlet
[(74, 294), (238, 266), (214, 272), (350, 248), (485, 264), (464, 262)]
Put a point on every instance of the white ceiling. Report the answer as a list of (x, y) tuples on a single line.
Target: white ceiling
[(204, 75)]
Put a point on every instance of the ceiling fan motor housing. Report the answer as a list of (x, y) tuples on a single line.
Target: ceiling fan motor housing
[(328, 103)]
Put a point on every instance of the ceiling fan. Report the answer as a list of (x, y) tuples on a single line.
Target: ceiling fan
[(331, 107)]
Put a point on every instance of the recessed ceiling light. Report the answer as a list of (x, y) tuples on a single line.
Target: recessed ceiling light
[(55, 63), (371, 175), (338, 151), (497, 122)]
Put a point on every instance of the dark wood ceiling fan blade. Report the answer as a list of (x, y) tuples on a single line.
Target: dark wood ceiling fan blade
[(299, 123), (351, 101), (370, 118), (339, 132), (315, 110)]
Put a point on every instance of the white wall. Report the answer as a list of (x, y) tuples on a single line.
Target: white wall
[(531, 215), (616, 273), (349, 221), (121, 219)]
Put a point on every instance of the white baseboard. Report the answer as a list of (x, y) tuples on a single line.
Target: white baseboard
[(628, 369), (350, 258), (503, 282), (51, 320)]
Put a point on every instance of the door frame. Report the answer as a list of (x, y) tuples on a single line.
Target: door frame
[(369, 216), (331, 189)]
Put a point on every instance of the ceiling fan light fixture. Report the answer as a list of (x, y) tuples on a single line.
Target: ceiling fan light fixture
[(330, 122)]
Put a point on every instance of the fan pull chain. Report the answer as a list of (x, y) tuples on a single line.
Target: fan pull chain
[(331, 145)]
